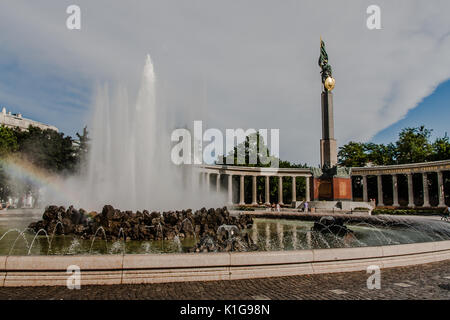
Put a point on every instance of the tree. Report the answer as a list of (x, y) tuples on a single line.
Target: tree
[(352, 155), (380, 154), (441, 148), (252, 144), (47, 149), (413, 145), (8, 141), (82, 147)]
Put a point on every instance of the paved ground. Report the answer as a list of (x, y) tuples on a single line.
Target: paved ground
[(428, 281)]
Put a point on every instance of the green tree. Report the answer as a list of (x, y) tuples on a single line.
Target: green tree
[(253, 144), (352, 155), (441, 148), (82, 146), (47, 149), (8, 141), (380, 154), (413, 145)]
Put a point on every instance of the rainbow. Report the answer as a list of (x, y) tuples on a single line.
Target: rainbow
[(23, 170)]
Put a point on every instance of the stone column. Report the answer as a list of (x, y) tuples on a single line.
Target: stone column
[(395, 191), (207, 181), (267, 190), (441, 189), (218, 182), (254, 191), (294, 189), (426, 195), (365, 193), (201, 180), (280, 190), (380, 190), (230, 189), (410, 191), (241, 191), (307, 191)]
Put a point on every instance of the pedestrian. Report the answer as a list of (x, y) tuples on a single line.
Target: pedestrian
[(306, 206), (278, 207)]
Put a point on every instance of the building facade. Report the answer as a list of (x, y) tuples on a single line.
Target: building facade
[(12, 120)]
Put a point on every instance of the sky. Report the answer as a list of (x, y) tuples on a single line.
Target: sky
[(234, 64), (433, 112)]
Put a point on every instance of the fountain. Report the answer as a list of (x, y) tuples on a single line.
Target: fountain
[(128, 158), (129, 164)]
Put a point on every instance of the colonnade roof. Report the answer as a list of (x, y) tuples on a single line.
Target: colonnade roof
[(255, 171), (433, 166)]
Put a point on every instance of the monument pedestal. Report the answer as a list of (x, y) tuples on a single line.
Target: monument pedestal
[(334, 184)]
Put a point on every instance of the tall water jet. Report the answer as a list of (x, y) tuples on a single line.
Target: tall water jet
[(129, 164)]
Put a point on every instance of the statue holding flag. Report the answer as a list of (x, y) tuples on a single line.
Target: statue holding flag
[(327, 78)]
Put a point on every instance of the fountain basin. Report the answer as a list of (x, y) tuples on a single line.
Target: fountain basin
[(157, 268)]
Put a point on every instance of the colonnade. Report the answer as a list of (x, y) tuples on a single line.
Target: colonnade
[(409, 176), (207, 176)]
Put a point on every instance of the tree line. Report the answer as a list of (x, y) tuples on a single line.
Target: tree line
[(412, 146)]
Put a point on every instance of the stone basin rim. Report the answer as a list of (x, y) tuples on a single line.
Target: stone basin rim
[(156, 268)]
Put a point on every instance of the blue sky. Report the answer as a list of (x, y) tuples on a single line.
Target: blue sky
[(234, 64), (48, 97), (433, 112)]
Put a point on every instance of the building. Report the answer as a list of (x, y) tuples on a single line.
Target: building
[(13, 120)]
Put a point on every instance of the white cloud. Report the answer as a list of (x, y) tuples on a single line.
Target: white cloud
[(244, 64)]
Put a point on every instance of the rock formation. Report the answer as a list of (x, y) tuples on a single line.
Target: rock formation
[(202, 224)]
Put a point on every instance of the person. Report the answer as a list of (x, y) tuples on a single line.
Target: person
[(306, 206), (278, 207)]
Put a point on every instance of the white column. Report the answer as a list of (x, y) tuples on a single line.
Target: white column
[(441, 189), (394, 190), (410, 190), (254, 191), (380, 190), (280, 190), (241, 191), (201, 180), (207, 181), (230, 189), (267, 190), (426, 196), (218, 182), (365, 194), (294, 189), (307, 191)]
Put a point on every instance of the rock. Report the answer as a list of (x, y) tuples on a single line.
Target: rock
[(203, 224)]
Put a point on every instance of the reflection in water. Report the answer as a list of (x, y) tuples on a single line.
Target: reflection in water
[(281, 234), (268, 234)]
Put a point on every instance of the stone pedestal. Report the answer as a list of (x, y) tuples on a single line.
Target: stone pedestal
[(332, 189)]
